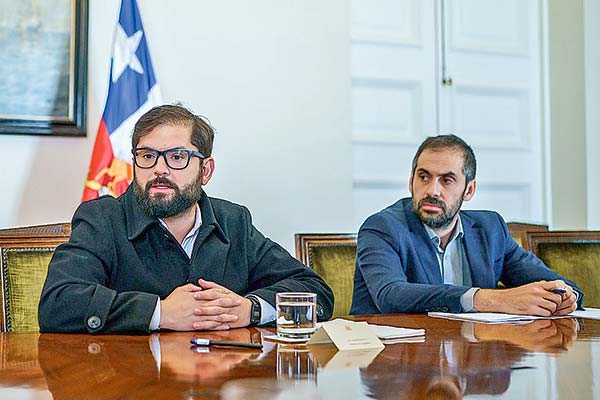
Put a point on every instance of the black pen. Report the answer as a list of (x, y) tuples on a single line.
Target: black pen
[(208, 342)]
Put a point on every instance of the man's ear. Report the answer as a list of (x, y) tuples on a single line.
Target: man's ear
[(470, 191), (410, 180), (208, 168)]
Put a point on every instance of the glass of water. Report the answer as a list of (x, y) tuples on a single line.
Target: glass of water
[(296, 315)]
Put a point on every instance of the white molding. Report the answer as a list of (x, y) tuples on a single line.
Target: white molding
[(362, 33), (458, 41), (521, 94), (375, 135)]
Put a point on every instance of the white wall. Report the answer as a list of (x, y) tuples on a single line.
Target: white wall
[(567, 114), (592, 95), (272, 76)]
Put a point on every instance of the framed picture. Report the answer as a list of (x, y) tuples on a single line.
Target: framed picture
[(43, 67)]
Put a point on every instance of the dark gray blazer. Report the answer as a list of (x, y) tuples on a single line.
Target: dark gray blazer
[(119, 261), (397, 269)]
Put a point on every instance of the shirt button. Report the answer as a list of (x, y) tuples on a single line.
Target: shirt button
[(94, 322)]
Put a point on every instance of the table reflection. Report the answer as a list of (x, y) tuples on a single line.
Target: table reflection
[(142, 364), (204, 364), (296, 363), (479, 361), (19, 365), (548, 336), (82, 366), (456, 360)]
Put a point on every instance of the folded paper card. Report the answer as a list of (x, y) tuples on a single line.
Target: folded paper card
[(346, 335)]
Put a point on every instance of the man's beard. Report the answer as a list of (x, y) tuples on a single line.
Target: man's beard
[(437, 220), (160, 205)]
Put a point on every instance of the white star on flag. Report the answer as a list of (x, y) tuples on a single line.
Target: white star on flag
[(124, 53)]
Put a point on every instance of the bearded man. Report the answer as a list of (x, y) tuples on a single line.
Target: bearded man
[(424, 254), (164, 255)]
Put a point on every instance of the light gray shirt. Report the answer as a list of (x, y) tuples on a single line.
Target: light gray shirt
[(453, 263)]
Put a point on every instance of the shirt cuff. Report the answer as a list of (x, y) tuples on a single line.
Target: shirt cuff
[(268, 313), (155, 321), (466, 300)]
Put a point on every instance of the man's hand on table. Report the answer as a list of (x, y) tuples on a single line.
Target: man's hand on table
[(191, 307), (535, 298)]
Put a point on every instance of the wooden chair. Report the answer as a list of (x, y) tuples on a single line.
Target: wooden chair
[(574, 255), (332, 256), (518, 230), (24, 256)]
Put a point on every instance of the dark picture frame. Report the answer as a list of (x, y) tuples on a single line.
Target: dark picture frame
[(42, 91)]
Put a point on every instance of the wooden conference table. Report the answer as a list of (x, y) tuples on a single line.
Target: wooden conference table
[(545, 359)]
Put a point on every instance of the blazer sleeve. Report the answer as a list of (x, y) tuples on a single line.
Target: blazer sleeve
[(522, 267), (385, 253), (76, 297), (272, 269)]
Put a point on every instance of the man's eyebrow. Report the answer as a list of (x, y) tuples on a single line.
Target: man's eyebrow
[(450, 174)]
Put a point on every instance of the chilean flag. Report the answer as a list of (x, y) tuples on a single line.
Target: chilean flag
[(132, 91)]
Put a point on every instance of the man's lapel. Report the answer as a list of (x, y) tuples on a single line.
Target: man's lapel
[(425, 249), (476, 249)]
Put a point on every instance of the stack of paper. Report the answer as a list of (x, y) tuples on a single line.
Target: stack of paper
[(500, 318), (590, 313), (392, 334), (489, 318)]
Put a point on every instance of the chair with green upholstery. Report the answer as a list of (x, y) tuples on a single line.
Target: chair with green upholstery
[(518, 230), (24, 256), (574, 255), (332, 256)]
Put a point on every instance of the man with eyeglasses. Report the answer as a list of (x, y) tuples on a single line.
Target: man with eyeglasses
[(164, 255)]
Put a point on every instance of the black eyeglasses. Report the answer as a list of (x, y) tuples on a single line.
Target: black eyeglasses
[(177, 158)]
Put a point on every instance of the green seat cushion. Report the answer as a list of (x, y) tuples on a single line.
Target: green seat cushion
[(579, 262), (335, 264), (24, 273)]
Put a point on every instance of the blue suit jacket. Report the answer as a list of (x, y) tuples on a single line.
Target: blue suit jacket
[(397, 269)]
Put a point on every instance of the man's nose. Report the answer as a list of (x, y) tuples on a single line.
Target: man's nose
[(434, 188), (161, 167)]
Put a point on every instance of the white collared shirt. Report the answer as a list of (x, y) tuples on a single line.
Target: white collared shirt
[(453, 263)]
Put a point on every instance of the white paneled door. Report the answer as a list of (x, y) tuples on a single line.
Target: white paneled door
[(468, 67), (394, 65)]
